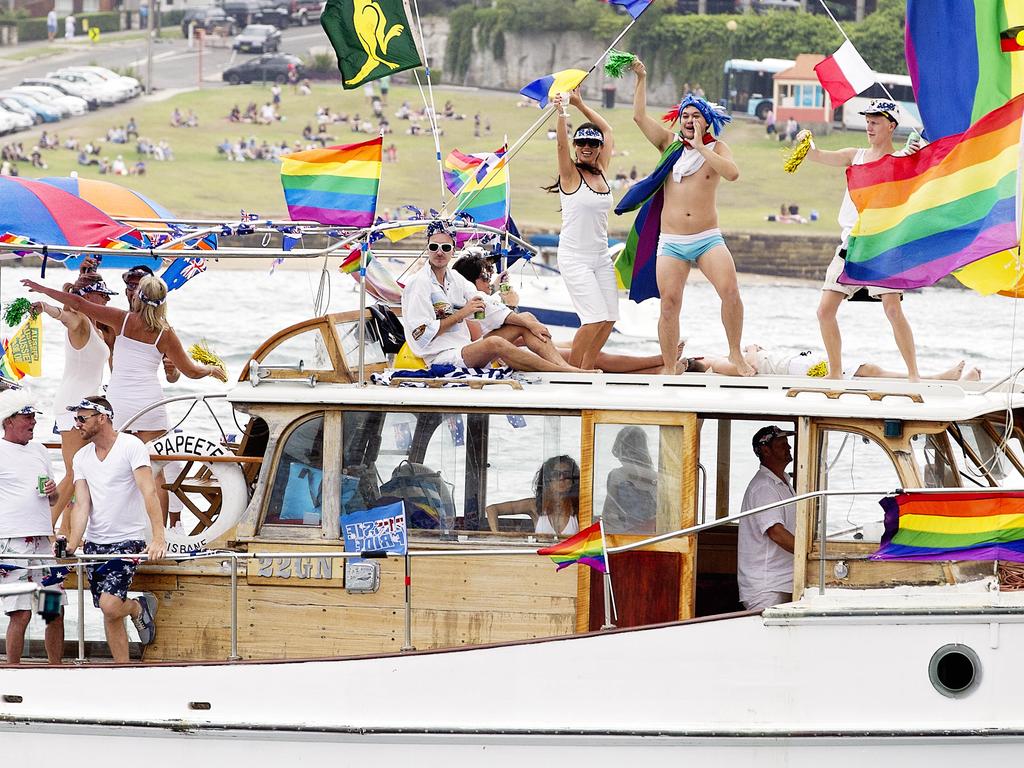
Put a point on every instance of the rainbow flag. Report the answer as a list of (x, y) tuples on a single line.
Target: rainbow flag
[(8, 369), (12, 239), (585, 547), (483, 197), (333, 185), (926, 214), (953, 526)]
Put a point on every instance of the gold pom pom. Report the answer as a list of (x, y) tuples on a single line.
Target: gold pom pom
[(819, 370), (202, 353), (798, 154)]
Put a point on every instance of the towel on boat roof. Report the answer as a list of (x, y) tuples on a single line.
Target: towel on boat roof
[(442, 372)]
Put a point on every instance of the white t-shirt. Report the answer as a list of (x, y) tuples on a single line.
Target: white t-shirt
[(118, 510), (848, 213), (23, 512), (762, 565)]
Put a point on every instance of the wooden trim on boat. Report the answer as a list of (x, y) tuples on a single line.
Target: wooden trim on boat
[(835, 394)]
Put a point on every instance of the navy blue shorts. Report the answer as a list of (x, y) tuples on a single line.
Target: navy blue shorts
[(113, 577)]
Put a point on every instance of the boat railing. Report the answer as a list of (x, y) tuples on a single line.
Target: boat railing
[(229, 559)]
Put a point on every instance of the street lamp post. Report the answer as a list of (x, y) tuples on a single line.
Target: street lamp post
[(732, 26)]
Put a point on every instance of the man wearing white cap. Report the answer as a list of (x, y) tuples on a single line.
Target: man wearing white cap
[(26, 528), (764, 562), (881, 118)]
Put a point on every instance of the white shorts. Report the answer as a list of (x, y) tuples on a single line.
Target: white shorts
[(448, 357), (26, 545), (835, 269), (592, 287), (763, 600)]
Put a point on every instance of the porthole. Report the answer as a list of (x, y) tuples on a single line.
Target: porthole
[(955, 670)]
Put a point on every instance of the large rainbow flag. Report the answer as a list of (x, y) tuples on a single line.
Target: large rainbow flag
[(586, 547), (924, 215), (333, 185), (953, 526), (481, 183)]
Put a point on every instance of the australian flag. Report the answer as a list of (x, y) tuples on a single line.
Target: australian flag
[(181, 270)]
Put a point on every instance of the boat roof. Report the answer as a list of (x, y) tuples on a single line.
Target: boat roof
[(772, 396)]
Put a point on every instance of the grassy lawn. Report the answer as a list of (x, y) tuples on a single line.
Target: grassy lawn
[(199, 182)]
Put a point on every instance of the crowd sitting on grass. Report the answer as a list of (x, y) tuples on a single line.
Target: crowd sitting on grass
[(187, 120)]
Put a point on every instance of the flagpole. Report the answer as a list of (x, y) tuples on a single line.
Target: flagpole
[(843, 33), (430, 106), (610, 614)]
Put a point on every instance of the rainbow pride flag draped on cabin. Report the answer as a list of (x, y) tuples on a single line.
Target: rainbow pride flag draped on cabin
[(953, 526), (586, 547), (333, 185), (952, 203)]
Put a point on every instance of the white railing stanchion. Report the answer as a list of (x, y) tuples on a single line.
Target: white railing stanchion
[(80, 573), (408, 646), (234, 609)]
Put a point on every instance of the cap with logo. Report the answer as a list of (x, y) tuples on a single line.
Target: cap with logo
[(765, 435), (886, 107)]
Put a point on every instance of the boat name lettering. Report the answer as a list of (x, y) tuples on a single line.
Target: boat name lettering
[(187, 548), (295, 567), (187, 444)]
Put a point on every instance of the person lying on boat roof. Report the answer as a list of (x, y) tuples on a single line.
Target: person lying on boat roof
[(479, 271), (775, 362), (555, 505), (437, 302)]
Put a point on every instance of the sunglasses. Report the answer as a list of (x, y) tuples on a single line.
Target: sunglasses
[(83, 419), (442, 247), (562, 474), (591, 143), (486, 276)]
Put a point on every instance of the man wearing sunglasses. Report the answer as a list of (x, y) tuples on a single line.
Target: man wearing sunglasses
[(26, 528), (115, 496), (881, 119), (436, 303)]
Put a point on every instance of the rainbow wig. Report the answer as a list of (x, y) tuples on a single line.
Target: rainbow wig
[(714, 114)]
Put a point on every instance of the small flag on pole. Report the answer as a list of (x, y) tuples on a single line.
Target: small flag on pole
[(585, 547), (543, 89), (844, 74), (633, 7), (371, 39)]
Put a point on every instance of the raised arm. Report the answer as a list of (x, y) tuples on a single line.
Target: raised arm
[(656, 133), (839, 158), (568, 174), (171, 347), (609, 136), (106, 315)]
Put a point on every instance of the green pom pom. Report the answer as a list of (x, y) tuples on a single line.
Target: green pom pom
[(618, 62), (16, 311)]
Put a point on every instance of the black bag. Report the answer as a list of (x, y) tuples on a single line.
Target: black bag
[(385, 328)]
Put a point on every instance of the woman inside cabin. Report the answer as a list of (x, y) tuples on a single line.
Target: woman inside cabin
[(586, 201), (85, 356), (143, 338), (555, 505), (632, 501)]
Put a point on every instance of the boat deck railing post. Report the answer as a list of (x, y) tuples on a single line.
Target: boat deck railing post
[(234, 610), (408, 646), (80, 573), (822, 524)]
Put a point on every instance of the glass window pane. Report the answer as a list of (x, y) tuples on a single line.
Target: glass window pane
[(348, 333), (937, 469), (307, 349), (848, 461), (296, 496)]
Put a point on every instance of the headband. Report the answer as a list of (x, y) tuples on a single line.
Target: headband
[(96, 287), (714, 114), (438, 225), (586, 132), (151, 302), (89, 405)]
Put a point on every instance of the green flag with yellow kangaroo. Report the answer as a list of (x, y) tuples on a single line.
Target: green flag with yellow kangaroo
[(371, 37)]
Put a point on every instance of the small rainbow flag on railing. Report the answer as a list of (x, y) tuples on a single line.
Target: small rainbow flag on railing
[(333, 185), (926, 214), (481, 182), (586, 547), (987, 525)]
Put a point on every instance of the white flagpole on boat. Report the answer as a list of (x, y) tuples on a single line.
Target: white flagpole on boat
[(430, 107), (847, 37), (611, 615)]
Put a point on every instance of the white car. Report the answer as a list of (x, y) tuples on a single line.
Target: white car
[(6, 123), (133, 85), (73, 104), (106, 93), (20, 119), (68, 89)]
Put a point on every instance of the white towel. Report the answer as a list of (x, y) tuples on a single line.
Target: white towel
[(689, 162)]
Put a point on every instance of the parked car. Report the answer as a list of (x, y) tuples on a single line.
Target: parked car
[(130, 84), (276, 13), (23, 120), (261, 38), (208, 19), (48, 113), (244, 12), (13, 105), (107, 93), (302, 12), (47, 95), (68, 89), (269, 66), (7, 124)]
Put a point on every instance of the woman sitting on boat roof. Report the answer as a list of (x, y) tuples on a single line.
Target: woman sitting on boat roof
[(437, 302), (555, 505)]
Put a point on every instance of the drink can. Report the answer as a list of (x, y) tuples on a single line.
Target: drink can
[(41, 482), (504, 287), (479, 314)]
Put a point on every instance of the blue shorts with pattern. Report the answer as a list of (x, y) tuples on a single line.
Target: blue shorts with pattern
[(114, 577)]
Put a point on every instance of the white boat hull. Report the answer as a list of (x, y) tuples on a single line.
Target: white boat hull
[(739, 690)]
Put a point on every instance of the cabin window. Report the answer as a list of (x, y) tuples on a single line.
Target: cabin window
[(937, 467), (306, 349), (348, 335), (850, 461), (983, 456), (296, 496), (636, 477)]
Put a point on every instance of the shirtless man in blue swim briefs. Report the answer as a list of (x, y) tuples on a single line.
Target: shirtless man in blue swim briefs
[(693, 162)]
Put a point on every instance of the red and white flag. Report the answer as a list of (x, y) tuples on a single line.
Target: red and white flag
[(844, 74)]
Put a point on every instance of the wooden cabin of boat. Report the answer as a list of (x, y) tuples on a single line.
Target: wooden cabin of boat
[(330, 446)]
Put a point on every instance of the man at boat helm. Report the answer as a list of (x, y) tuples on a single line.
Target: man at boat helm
[(26, 528), (436, 303), (114, 495), (764, 567)]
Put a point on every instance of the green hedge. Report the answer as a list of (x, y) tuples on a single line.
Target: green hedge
[(35, 29)]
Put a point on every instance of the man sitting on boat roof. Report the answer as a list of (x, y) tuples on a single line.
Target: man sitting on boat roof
[(436, 303)]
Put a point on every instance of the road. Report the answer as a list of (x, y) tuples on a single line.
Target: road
[(175, 66)]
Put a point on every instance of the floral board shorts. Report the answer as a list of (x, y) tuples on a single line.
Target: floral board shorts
[(36, 571), (113, 577)]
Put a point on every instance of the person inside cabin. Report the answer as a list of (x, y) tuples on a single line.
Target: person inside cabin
[(764, 561), (26, 491), (555, 505), (436, 303), (632, 502)]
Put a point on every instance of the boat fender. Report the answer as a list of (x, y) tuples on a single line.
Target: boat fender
[(233, 489)]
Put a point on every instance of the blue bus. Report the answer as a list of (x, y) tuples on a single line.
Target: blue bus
[(748, 85)]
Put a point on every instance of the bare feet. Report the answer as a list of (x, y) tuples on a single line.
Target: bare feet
[(953, 373), (743, 368), (971, 374)]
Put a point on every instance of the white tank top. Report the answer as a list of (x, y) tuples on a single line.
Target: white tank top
[(584, 218), (83, 370), (133, 380), (544, 525), (848, 211)]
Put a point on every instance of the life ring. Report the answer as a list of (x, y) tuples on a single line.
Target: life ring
[(234, 493)]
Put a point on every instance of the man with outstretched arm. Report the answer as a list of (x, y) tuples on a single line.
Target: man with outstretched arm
[(680, 198), (881, 118)]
